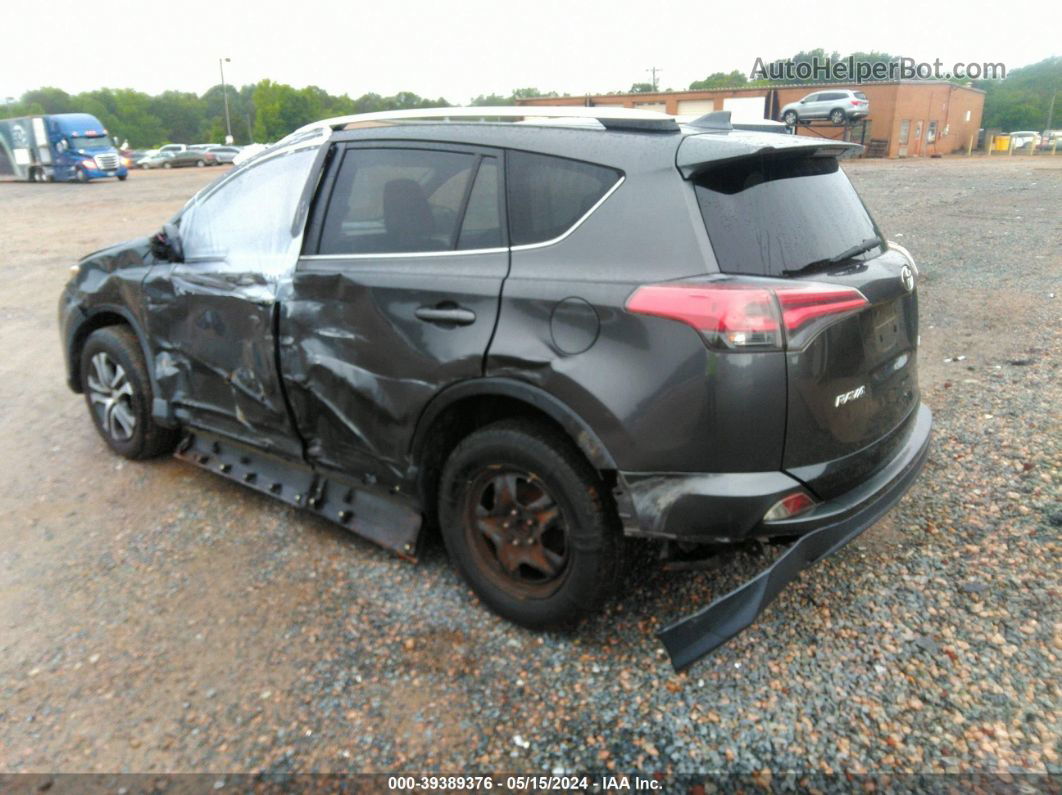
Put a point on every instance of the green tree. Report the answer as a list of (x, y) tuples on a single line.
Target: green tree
[(734, 79), (1022, 101), (49, 100), (531, 93), (491, 99), (279, 110)]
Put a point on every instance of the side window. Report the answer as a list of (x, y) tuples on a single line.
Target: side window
[(247, 220), (397, 201), (548, 195), (482, 226)]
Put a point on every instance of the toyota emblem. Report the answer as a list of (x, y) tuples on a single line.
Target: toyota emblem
[(907, 277)]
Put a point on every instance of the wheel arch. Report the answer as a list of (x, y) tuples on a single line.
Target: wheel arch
[(460, 409), (99, 317), (469, 393)]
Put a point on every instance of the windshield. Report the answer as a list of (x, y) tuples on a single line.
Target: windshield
[(769, 215), (85, 142)]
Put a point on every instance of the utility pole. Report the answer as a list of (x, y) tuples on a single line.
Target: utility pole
[(225, 96), (653, 71), (1051, 112)]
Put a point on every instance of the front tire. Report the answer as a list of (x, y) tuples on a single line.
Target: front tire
[(122, 177), (118, 393), (167, 165), (790, 117), (82, 177), (529, 525)]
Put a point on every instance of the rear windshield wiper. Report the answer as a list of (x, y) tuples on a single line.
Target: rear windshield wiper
[(848, 253)]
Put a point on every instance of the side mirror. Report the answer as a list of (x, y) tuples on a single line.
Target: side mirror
[(166, 244)]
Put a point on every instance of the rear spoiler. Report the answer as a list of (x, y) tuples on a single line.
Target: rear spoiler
[(722, 141)]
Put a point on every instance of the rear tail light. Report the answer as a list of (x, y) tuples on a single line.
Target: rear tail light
[(789, 506), (749, 317)]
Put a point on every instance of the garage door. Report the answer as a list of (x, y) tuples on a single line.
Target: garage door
[(695, 107), (744, 108)]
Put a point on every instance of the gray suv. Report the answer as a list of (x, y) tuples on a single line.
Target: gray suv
[(837, 105), (537, 340)]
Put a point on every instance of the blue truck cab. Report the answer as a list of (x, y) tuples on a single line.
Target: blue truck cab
[(62, 147)]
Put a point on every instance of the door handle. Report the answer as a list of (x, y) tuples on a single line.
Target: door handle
[(446, 314)]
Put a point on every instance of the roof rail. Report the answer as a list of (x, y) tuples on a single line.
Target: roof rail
[(610, 117)]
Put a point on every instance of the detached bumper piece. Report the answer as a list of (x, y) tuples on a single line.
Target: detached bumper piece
[(689, 639), (380, 518)]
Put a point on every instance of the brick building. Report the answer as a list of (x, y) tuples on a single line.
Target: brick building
[(910, 118)]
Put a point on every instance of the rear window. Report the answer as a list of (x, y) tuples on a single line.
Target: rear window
[(548, 195), (767, 215)]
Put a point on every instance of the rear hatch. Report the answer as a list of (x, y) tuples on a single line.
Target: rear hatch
[(791, 221)]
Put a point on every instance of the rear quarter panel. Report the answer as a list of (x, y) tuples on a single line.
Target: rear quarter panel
[(649, 388)]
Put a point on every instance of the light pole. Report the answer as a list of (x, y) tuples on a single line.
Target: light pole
[(225, 96)]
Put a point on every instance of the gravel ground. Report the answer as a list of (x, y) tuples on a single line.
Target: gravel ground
[(156, 618)]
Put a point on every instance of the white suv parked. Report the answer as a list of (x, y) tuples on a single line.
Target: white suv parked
[(837, 105)]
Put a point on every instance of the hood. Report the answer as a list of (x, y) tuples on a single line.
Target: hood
[(131, 253)]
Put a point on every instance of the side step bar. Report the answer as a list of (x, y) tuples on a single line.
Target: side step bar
[(381, 518)]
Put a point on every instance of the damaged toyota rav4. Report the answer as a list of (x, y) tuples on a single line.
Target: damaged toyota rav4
[(537, 337)]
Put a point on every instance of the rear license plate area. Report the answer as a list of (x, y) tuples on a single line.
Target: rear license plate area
[(884, 327)]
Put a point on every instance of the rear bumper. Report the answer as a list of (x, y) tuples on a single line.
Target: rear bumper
[(823, 531), (728, 507)]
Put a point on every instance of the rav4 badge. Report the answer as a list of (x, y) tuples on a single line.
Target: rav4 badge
[(846, 397)]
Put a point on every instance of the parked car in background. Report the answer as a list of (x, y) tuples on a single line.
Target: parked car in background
[(1023, 138), (155, 161), (133, 156), (837, 105), (191, 157), (173, 148), (224, 154), (202, 147), (1051, 139), (469, 326)]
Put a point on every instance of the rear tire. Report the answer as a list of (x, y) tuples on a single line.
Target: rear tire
[(118, 394), (167, 165), (838, 116), (529, 525), (200, 163)]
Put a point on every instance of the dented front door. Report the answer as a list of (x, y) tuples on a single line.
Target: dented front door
[(212, 317), (395, 297)]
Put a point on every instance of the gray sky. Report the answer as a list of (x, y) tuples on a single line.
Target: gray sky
[(458, 50)]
